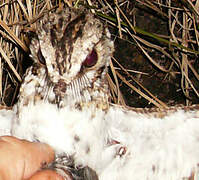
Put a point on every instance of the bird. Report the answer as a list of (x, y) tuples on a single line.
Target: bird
[(65, 101)]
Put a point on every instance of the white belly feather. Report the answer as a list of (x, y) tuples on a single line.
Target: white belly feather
[(152, 148)]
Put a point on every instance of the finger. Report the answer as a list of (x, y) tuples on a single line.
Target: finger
[(46, 175), (20, 159), (41, 155)]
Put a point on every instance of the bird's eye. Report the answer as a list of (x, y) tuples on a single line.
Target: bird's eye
[(41, 57), (91, 59)]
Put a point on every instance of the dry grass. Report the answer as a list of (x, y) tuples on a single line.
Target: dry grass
[(179, 46)]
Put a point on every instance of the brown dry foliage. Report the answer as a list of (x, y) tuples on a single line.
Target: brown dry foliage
[(177, 44)]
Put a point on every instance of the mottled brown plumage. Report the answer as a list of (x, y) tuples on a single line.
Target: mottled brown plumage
[(71, 51)]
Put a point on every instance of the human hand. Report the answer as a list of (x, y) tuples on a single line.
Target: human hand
[(20, 159)]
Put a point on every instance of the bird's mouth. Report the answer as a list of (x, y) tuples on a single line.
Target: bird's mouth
[(60, 88), (73, 93)]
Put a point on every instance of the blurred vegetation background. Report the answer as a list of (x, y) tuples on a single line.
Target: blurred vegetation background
[(156, 48)]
